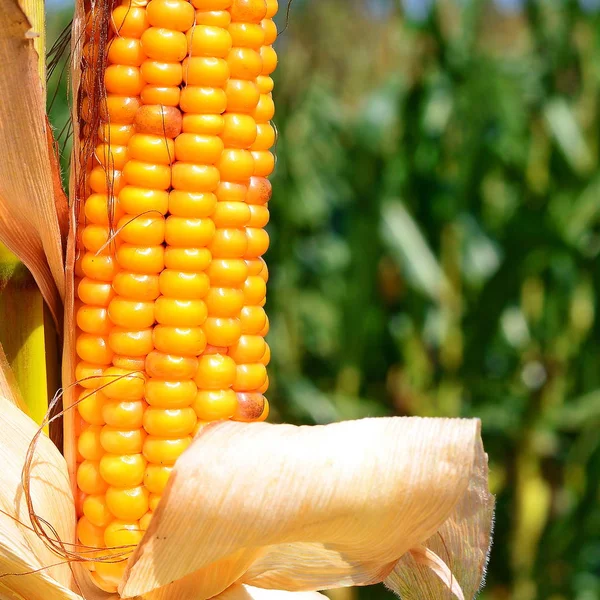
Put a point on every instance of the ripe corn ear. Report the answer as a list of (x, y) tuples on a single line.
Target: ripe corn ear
[(170, 279)]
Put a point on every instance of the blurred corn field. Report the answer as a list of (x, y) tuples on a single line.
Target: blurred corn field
[(435, 237)]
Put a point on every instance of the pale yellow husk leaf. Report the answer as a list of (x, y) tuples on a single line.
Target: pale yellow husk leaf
[(310, 508), (461, 543), (28, 216), (248, 592), (21, 550)]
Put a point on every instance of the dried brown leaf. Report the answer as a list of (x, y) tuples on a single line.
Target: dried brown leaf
[(29, 224)]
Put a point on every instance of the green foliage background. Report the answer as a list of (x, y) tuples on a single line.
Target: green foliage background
[(435, 237)]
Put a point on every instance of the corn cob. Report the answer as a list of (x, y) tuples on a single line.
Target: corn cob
[(171, 283)]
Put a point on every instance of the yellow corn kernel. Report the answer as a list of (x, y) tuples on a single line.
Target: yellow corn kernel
[(151, 149), (247, 35), (259, 215), (242, 96), (123, 535), (266, 357), (180, 313), (170, 394), (265, 330), (131, 343), (145, 521), (131, 313), (265, 84), (255, 290), (191, 204), (164, 44), (88, 375), (154, 500), (125, 414), (215, 18), (161, 365), (120, 440), (231, 214), (183, 285), (96, 511), (144, 230), (162, 73), (111, 156), (221, 331), (265, 136), (93, 320), (125, 51), (269, 58), (194, 147), (128, 504), (89, 478), (89, 534), (146, 260), (264, 162), (120, 110), (208, 71), (90, 404), (89, 445), (253, 319), (236, 164), (163, 95), (187, 259), (270, 30), (139, 200), (163, 451), (99, 267), (251, 11), (129, 363), (187, 341), (156, 477), (214, 405), (206, 40), (124, 80), (172, 14), (239, 130), (250, 377), (125, 470), (123, 384), (244, 63), (215, 372), (224, 302), (227, 272), (229, 243), (229, 191), (265, 109), (207, 124), (169, 422), (198, 99), (190, 177), (95, 293), (206, 5), (152, 175), (249, 349), (98, 239), (136, 286), (109, 574), (129, 21), (100, 209)]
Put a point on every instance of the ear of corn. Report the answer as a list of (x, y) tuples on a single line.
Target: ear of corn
[(171, 281)]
